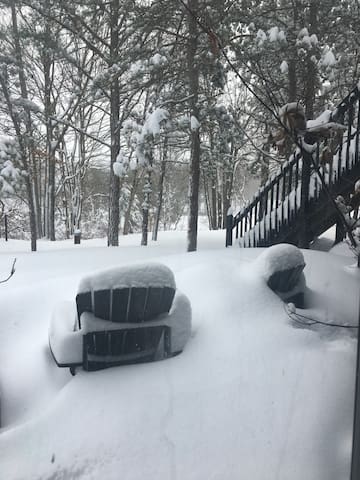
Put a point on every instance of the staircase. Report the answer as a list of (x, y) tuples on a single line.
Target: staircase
[(293, 206)]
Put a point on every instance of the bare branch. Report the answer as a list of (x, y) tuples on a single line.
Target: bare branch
[(11, 272)]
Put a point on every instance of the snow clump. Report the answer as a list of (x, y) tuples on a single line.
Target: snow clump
[(279, 258), (328, 59), (276, 35), (284, 67), (194, 123)]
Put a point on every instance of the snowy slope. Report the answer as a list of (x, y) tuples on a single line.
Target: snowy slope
[(253, 395)]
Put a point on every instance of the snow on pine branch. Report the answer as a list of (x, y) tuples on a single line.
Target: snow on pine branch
[(140, 138), (26, 104), (9, 174)]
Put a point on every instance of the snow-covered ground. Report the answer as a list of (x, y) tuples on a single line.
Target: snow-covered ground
[(253, 396)]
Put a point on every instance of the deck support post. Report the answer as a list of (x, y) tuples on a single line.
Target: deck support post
[(229, 230)]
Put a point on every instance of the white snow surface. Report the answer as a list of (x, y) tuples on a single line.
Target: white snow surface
[(139, 275), (253, 395), (322, 119), (279, 258)]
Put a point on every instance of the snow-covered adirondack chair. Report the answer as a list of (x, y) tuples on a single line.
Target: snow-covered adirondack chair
[(122, 316), (282, 267)]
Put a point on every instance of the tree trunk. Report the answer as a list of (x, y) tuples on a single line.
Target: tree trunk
[(134, 185), (27, 146), (114, 194), (36, 168), (32, 213), (311, 77), (145, 210), (50, 153), (161, 193), (194, 173), (219, 206), (213, 202)]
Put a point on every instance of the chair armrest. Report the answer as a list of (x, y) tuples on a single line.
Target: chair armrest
[(65, 343)]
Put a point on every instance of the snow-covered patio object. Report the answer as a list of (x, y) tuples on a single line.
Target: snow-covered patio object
[(123, 315), (282, 267)]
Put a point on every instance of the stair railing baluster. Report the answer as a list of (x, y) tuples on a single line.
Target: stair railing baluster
[(296, 183), (271, 208), (304, 200), (277, 205), (349, 133), (317, 163), (265, 214), (340, 158), (331, 168), (290, 182), (283, 191), (357, 142)]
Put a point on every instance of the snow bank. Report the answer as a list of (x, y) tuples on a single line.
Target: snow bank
[(253, 396), (140, 275)]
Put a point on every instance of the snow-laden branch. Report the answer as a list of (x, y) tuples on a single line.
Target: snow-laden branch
[(12, 271)]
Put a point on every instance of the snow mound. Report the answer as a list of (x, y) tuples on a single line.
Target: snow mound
[(141, 275), (279, 258)]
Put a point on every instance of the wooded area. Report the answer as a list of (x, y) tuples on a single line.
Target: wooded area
[(122, 116)]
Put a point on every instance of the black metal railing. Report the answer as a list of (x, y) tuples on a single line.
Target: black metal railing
[(280, 208)]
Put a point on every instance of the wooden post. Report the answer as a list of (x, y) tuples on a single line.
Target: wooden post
[(77, 237), (229, 229), (304, 200), (339, 233)]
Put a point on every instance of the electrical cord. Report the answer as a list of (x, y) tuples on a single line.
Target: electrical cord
[(308, 321)]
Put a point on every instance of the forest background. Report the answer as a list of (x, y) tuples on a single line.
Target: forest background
[(122, 116)]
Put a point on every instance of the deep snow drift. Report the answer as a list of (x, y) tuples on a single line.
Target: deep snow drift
[(254, 395)]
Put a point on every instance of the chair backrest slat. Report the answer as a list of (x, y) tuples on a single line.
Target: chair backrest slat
[(126, 305)]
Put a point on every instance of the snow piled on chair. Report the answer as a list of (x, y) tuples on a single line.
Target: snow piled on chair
[(139, 275)]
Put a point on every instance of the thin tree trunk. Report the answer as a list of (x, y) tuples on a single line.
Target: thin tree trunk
[(213, 202), (219, 206), (311, 77), (207, 202), (146, 207), (194, 173), (161, 193), (50, 154), (27, 147), (127, 216), (114, 194)]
